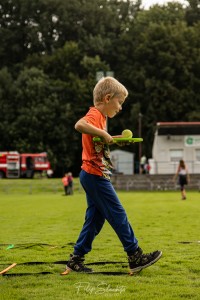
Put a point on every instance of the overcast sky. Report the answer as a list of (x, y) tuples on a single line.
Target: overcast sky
[(148, 3)]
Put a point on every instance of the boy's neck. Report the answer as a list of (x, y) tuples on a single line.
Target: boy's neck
[(101, 108)]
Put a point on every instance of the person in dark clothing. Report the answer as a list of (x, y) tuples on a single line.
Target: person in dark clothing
[(183, 177)]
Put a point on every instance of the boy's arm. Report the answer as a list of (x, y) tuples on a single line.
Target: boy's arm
[(83, 127)]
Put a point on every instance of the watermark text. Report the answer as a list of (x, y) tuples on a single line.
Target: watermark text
[(98, 289)]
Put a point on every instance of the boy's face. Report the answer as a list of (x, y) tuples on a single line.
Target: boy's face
[(113, 104)]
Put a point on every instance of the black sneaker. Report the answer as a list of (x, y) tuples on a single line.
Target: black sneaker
[(139, 261), (75, 263)]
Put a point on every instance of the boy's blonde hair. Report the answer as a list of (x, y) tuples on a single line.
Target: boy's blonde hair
[(108, 85)]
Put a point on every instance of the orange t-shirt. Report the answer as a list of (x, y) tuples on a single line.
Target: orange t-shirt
[(65, 181), (96, 155)]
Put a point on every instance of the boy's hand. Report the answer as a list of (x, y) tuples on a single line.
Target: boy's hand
[(107, 138)]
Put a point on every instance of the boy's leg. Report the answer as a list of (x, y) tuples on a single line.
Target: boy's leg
[(92, 226), (94, 221), (101, 192)]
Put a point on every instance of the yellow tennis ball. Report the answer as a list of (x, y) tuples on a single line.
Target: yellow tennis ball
[(126, 133)]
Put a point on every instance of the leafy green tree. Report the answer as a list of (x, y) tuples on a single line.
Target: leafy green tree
[(162, 68), (193, 12), (41, 26), (45, 122), (7, 109)]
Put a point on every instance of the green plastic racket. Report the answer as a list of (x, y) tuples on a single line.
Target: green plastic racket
[(120, 139)]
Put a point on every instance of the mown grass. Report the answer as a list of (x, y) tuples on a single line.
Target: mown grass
[(42, 224)]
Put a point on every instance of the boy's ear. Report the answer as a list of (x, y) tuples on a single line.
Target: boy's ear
[(107, 98)]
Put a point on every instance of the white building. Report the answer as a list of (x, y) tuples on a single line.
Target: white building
[(123, 161), (174, 141)]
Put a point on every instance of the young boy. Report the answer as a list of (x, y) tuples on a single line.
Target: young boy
[(102, 200)]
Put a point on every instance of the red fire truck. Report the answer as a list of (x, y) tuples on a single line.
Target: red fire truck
[(16, 165)]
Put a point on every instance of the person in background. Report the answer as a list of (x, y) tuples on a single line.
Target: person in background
[(183, 177), (143, 161), (70, 184), (65, 182)]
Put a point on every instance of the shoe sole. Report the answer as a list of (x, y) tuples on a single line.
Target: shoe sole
[(138, 269)]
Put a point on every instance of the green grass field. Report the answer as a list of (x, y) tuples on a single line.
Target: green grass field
[(42, 225)]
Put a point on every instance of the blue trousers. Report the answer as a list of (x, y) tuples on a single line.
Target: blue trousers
[(103, 204)]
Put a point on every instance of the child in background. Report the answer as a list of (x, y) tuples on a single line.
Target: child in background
[(102, 200), (65, 183), (183, 177)]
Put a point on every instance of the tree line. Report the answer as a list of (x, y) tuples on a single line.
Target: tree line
[(51, 51)]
